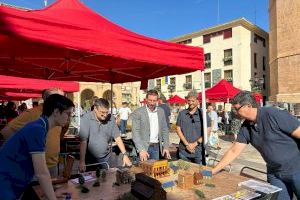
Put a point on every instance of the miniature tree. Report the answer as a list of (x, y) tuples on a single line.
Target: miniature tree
[(98, 174), (199, 194), (81, 182)]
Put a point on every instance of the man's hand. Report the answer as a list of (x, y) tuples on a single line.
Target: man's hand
[(190, 147), (144, 155), (166, 153), (82, 166), (126, 161)]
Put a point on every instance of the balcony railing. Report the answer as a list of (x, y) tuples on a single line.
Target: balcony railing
[(188, 85)]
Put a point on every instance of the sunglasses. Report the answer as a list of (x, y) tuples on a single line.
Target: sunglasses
[(193, 121)]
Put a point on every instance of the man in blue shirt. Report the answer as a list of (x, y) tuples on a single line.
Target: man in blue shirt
[(275, 134), (189, 129), (23, 154)]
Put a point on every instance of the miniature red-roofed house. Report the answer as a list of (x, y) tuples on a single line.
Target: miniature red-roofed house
[(198, 178)]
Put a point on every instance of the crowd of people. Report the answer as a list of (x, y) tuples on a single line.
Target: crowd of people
[(33, 138)]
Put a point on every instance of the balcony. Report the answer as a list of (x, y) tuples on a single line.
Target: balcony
[(227, 60), (207, 84), (188, 85), (171, 88)]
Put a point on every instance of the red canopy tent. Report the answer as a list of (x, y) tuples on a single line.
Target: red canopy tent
[(11, 83), (221, 92), (176, 100), (68, 41)]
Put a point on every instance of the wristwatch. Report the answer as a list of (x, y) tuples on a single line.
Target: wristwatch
[(125, 153)]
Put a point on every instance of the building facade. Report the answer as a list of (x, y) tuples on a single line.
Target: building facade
[(126, 92), (284, 51), (236, 51)]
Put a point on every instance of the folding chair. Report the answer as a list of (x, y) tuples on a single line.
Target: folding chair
[(212, 157), (251, 172)]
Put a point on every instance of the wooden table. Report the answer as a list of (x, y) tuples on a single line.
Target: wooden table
[(225, 183)]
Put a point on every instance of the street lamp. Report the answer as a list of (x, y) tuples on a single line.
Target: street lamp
[(256, 84)]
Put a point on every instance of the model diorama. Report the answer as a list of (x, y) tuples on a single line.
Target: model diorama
[(145, 187), (123, 176), (185, 180), (156, 169)]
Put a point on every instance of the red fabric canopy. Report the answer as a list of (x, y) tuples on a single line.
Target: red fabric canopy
[(221, 91), (16, 83), (176, 100), (68, 41)]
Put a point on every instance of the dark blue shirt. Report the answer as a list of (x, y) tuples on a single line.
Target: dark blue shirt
[(190, 126), (271, 136), (16, 168)]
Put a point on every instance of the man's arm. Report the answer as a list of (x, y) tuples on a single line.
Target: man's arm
[(42, 173), (296, 133), (83, 145), (121, 146), (229, 156), (181, 136)]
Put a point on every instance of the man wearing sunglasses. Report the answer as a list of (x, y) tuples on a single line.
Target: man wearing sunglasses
[(276, 135), (190, 131)]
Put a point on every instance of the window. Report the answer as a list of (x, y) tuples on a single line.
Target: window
[(207, 80), (158, 84), (188, 41), (172, 85), (206, 39), (258, 38), (207, 61), (228, 76), (264, 63), (227, 33), (188, 82), (255, 60), (227, 57)]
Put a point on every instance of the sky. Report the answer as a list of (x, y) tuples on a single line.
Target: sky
[(167, 19)]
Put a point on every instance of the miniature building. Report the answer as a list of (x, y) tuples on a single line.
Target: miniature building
[(147, 188), (169, 185), (197, 178), (156, 169), (185, 180), (206, 174), (123, 176), (174, 168)]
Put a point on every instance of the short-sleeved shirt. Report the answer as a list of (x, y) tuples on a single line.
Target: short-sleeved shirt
[(124, 113), (16, 168), (53, 138), (190, 126), (98, 134), (214, 117), (271, 136)]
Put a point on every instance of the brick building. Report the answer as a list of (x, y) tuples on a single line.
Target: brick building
[(284, 58)]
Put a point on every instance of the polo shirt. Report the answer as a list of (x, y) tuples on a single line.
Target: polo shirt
[(98, 134), (16, 169), (271, 136), (190, 126), (53, 138)]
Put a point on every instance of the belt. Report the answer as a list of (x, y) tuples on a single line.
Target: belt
[(153, 144)]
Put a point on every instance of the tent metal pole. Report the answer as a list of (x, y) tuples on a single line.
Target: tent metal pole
[(204, 108), (111, 98), (78, 109)]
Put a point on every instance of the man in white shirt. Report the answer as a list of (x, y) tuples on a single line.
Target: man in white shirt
[(124, 113), (213, 117), (150, 130)]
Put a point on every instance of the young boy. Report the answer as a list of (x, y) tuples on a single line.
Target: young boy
[(23, 154)]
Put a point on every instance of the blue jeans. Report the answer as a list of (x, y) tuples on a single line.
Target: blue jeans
[(123, 124), (196, 157), (289, 183), (153, 151)]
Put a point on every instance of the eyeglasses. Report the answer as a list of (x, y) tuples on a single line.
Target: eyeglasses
[(193, 121), (237, 109)]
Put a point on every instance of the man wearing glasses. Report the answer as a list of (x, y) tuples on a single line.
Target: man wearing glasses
[(275, 134), (190, 130), (97, 130)]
